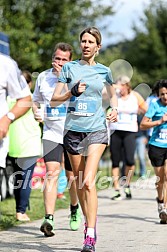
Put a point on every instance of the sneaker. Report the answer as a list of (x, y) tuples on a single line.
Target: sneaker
[(89, 245), (61, 196), (117, 196), (160, 206), (75, 219), (163, 214), (22, 217), (128, 192), (47, 227), (143, 177)]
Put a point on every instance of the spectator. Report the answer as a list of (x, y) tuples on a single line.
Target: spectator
[(14, 84), (62, 183), (140, 152), (24, 149)]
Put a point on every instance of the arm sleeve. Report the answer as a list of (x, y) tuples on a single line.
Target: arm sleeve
[(151, 110), (37, 97), (109, 78), (16, 84)]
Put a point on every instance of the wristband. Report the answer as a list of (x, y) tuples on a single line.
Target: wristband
[(74, 90)]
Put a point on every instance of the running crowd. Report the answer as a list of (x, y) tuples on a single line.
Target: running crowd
[(68, 101)]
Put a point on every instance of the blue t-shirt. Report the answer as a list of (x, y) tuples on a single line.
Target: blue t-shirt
[(159, 136), (85, 113)]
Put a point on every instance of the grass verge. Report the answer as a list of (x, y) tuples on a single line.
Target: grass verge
[(36, 212)]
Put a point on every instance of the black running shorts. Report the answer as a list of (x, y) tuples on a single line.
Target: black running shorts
[(53, 152), (157, 155), (78, 142)]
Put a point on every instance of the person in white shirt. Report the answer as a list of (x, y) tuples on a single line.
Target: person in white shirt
[(53, 147), (14, 84)]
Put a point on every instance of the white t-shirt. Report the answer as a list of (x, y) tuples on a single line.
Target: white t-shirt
[(13, 84), (54, 119)]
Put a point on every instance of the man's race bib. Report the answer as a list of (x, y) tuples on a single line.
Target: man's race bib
[(55, 113), (82, 107)]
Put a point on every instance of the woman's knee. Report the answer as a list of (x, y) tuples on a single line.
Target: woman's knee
[(89, 184)]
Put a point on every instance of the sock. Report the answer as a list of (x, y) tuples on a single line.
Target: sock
[(90, 232), (84, 219), (160, 201), (49, 216), (74, 208)]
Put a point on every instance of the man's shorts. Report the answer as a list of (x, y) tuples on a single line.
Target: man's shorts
[(78, 142), (157, 155), (53, 153)]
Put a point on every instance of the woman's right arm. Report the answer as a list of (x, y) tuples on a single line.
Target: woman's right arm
[(147, 123), (57, 97)]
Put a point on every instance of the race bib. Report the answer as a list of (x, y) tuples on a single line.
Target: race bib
[(55, 113), (162, 136), (127, 118), (82, 107)]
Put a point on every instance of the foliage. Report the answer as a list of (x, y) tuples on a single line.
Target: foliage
[(148, 50), (34, 27), (108, 55)]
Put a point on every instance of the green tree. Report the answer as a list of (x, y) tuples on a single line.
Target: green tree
[(148, 50), (34, 27), (16, 20)]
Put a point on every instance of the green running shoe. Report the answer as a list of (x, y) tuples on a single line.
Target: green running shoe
[(47, 227), (117, 195), (128, 192), (75, 219)]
